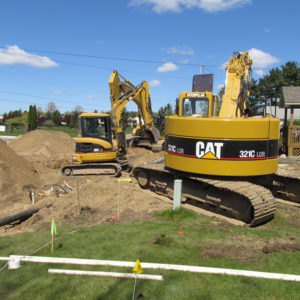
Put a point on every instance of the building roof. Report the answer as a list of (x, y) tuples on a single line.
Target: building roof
[(290, 96)]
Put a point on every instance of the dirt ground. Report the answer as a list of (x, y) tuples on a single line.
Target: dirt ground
[(248, 249), (30, 170)]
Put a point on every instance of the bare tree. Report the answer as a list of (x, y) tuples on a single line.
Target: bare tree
[(78, 109), (51, 107)]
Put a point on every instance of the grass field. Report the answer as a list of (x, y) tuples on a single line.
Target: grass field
[(73, 132), (157, 241)]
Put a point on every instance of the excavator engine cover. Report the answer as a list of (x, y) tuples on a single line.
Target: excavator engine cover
[(222, 147)]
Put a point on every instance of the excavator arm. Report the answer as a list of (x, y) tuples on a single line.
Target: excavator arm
[(122, 91), (235, 98)]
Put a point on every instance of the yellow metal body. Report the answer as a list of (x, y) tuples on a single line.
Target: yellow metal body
[(97, 156), (238, 72), (99, 150), (212, 132), (122, 91), (202, 141)]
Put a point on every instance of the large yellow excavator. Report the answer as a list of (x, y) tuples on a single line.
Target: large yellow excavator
[(94, 151), (219, 155)]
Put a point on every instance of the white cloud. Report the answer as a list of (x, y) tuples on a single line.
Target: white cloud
[(185, 61), (161, 6), (154, 83), (262, 60), (259, 72), (221, 5), (184, 50), (167, 67), (267, 30), (219, 86), (13, 55), (58, 92), (91, 97)]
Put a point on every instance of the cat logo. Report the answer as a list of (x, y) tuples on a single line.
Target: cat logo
[(208, 150)]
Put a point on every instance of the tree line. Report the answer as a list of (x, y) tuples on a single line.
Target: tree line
[(268, 89)]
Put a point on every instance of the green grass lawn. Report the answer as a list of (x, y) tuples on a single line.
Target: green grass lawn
[(153, 241)]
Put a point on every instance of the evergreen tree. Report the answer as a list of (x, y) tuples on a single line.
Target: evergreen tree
[(34, 118), (29, 117)]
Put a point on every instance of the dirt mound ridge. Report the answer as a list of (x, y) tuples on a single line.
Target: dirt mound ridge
[(44, 146), (16, 173)]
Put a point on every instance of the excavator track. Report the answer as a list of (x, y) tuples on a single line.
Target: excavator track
[(242, 200), (286, 183), (112, 169)]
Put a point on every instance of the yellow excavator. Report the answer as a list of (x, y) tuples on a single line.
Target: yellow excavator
[(94, 151), (219, 155), (122, 91)]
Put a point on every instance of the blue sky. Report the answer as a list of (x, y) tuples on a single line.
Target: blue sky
[(161, 41)]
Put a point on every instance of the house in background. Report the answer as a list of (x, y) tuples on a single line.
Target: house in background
[(290, 102), (1, 118)]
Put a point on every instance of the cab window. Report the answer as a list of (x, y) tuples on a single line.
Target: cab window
[(195, 107)]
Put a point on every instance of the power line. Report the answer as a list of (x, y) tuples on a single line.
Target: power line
[(51, 99), (113, 58), (105, 57), (121, 70)]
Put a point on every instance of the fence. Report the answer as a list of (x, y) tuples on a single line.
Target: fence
[(294, 140)]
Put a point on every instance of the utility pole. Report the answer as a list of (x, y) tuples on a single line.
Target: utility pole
[(201, 69)]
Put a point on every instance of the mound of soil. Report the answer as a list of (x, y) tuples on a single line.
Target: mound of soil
[(17, 176), (49, 147), (138, 156), (93, 199)]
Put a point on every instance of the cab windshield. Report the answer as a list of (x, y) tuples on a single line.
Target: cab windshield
[(96, 127), (195, 107)]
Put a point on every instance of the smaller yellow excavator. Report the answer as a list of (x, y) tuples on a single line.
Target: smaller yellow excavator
[(94, 151)]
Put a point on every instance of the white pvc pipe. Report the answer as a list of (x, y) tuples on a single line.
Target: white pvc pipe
[(195, 269), (177, 193), (106, 274), (5, 258)]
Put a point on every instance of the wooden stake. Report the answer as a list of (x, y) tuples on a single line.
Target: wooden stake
[(52, 242), (119, 199)]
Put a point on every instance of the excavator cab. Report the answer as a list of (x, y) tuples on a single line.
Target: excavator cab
[(94, 143), (95, 126), (195, 104)]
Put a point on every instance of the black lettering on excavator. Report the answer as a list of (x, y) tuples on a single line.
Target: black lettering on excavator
[(222, 149)]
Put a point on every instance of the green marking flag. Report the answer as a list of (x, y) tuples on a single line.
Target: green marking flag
[(53, 227)]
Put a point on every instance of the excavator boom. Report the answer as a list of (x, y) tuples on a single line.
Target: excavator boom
[(122, 91)]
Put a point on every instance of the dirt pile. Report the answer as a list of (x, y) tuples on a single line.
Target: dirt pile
[(49, 147), (96, 198), (17, 176), (138, 156)]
